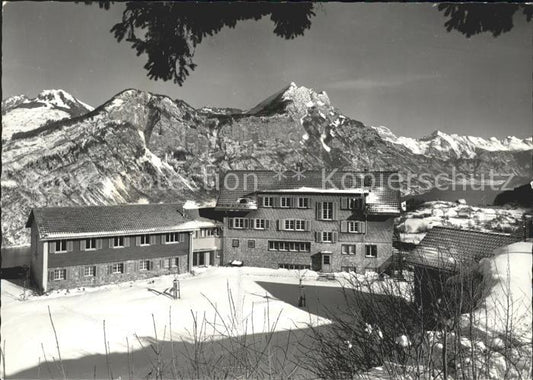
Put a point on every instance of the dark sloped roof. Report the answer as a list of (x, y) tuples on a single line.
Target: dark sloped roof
[(449, 248), (384, 186), (57, 222)]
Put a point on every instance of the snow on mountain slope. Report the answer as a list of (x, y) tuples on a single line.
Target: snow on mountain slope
[(22, 114), (292, 98), (140, 146), (439, 143)]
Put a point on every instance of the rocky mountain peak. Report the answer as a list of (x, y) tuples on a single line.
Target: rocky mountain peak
[(292, 99), (23, 114)]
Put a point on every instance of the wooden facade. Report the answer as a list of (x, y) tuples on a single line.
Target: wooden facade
[(86, 254)]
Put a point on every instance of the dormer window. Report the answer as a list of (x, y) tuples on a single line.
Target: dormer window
[(285, 202), (268, 201)]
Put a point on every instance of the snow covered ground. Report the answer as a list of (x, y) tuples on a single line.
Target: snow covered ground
[(127, 309), (507, 294), (414, 225)]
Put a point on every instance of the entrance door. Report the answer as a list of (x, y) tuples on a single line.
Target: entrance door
[(326, 263), (198, 259)]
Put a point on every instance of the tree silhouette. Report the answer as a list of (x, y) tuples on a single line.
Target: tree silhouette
[(168, 32), (475, 18)]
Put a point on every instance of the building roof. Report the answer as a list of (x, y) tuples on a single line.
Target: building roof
[(382, 187), (126, 219), (449, 248)]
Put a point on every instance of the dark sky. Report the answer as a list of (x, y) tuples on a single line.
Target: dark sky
[(383, 64)]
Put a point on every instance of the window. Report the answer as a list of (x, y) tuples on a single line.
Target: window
[(299, 225), (60, 274), (117, 268), (355, 203), (326, 259), (144, 265), (208, 232), (174, 262), (238, 222), (285, 202), (293, 246), (90, 244), (259, 224), (173, 237), (293, 224), (61, 246), (327, 210), (355, 227), (327, 237), (289, 224), (303, 202), (294, 266), (145, 240), (371, 250), (348, 269), (348, 249), (251, 243), (235, 243), (118, 242), (268, 201), (89, 271)]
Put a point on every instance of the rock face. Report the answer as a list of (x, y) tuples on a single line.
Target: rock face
[(21, 114), (143, 147)]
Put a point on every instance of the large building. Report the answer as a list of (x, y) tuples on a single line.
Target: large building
[(95, 245), (327, 221)]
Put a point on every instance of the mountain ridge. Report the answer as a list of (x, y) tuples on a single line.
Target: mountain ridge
[(143, 147)]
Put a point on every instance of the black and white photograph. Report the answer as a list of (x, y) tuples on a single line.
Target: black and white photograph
[(266, 190)]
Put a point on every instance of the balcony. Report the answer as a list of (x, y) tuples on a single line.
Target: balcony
[(207, 243)]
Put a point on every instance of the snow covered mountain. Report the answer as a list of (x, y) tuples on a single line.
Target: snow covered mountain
[(22, 114), (140, 147), (439, 143)]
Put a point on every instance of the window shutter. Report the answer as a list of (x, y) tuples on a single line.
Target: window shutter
[(126, 241), (306, 225), (267, 224), (275, 202), (137, 241), (50, 275), (98, 243), (153, 239), (151, 265), (230, 222), (334, 236), (344, 203), (344, 226), (318, 236), (251, 223), (83, 244), (161, 264), (136, 266), (109, 269), (70, 245), (246, 224), (294, 202), (110, 242), (334, 210), (319, 210), (260, 201), (362, 226), (52, 246), (277, 224)]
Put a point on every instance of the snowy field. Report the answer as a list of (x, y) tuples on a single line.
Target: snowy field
[(414, 225), (127, 309)]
